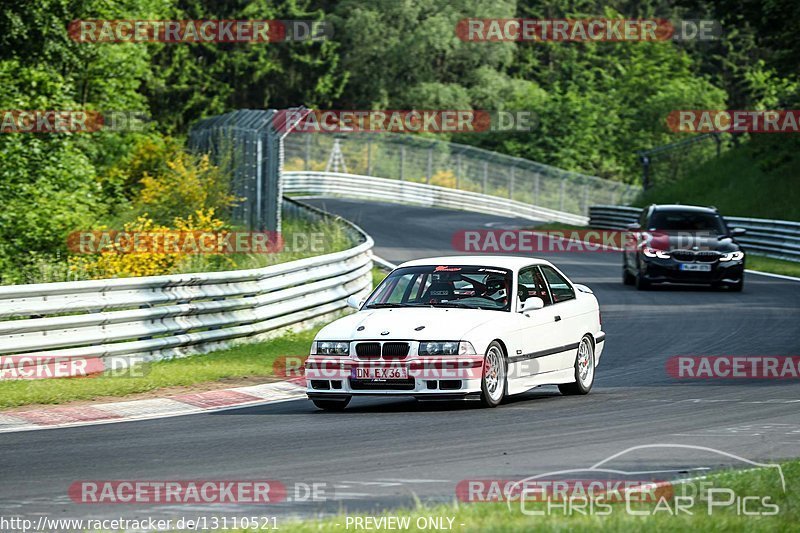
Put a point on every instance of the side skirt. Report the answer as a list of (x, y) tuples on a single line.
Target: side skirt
[(525, 383)]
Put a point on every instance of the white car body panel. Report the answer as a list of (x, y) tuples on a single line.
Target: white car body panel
[(540, 350)]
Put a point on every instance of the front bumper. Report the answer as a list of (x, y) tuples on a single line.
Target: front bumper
[(433, 377), (656, 270)]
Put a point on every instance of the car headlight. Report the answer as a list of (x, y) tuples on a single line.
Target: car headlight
[(331, 348), (732, 256), (652, 252), (446, 348)]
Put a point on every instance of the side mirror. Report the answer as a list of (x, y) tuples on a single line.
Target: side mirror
[(531, 304), (354, 302), (633, 226), (738, 232)]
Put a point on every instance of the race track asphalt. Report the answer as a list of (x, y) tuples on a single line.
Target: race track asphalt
[(381, 453)]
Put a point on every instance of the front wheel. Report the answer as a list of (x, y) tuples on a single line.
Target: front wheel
[(331, 405), (493, 383), (584, 370), (738, 286), (641, 282)]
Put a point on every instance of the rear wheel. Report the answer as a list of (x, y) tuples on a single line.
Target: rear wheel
[(627, 277), (331, 405), (493, 383), (584, 370)]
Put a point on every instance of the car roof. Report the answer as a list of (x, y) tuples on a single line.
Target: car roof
[(511, 262), (679, 207)]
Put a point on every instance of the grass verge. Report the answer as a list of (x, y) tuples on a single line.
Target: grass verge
[(773, 266), (243, 361), (762, 487)]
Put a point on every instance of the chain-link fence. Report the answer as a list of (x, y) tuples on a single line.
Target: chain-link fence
[(247, 144), (453, 165), (673, 162)]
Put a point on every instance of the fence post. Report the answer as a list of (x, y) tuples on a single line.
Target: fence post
[(536, 189), (485, 175), (511, 185), (430, 164), (369, 157), (259, 179), (561, 201), (585, 209), (402, 160), (458, 170), (307, 155)]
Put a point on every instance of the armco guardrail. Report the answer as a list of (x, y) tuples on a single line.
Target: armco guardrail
[(407, 192), (773, 238), (160, 317)]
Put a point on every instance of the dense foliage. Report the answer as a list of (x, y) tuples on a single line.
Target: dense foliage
[(596, 103)]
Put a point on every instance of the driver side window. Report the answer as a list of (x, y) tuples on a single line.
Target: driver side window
[(531, 283), (559, 286)]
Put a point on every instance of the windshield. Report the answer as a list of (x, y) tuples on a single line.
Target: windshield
[(687, 221), (473, 287)]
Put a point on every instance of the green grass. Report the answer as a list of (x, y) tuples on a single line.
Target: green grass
[(775, 266), (498, 517), (759, 179), (246, 360)]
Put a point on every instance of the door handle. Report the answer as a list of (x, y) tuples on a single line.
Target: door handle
[(558, 318)]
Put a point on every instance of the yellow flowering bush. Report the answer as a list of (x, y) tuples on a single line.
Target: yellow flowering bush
[(116, 259), (444, 178), (185, 185)]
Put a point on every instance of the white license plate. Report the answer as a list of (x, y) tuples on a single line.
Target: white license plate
[(377, 372), (696, 268)]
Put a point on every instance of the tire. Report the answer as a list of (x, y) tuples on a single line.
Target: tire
[(495, 376), (641, 283), (732, 287), (627, 277), (584, 370), (332, 405)]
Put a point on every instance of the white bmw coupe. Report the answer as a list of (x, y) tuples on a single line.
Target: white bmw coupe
[(460, 327)]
